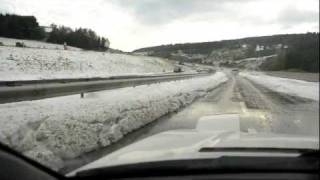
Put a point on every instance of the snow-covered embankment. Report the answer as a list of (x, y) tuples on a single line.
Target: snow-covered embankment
[(35, 44), (292, 87), (30, 64), (54, 129)]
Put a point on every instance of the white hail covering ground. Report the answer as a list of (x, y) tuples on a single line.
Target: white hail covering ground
[(34, 63), (304, 89), (35, 44), (50, 130)]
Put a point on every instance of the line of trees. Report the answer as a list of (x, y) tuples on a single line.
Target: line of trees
[(82, 38), (27, 27), (303, 54), (21, 27)]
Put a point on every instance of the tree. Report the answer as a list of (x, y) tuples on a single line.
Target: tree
[(81, 37), (21, 27)]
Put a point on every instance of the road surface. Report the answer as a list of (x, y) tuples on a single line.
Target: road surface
[(260, 110)]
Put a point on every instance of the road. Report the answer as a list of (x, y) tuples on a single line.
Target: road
[(260, 110)]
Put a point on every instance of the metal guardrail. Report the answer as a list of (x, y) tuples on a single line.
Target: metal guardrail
[(14, 91)]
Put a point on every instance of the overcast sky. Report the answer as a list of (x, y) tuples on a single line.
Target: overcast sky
[(132, 24)]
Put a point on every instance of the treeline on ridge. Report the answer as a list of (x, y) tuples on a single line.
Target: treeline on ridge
[(81, 37), (20, 27), (27, 27), (301, 54)]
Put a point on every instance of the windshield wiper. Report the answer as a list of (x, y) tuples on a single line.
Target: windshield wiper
[(258, 150), (224, 164), (315, 153)]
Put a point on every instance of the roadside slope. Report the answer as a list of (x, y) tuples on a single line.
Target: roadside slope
[(292, 87), (38, 63)]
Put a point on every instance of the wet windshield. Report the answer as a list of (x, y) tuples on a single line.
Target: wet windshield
[(159, 79)]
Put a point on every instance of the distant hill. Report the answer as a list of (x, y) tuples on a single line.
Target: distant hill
[(293, 51)]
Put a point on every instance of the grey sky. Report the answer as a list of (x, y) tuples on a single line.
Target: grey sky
[(155, 12), (131, 24)]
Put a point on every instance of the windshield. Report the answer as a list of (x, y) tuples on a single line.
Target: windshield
[(133, 81)]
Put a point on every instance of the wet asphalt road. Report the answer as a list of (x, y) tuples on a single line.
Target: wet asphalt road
[(260, 110)]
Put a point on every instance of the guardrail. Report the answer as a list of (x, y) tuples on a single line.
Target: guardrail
[(14, 91)]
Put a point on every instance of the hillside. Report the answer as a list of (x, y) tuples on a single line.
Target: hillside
[(40, 60), (289, 51), (27, 27), (34, 44)]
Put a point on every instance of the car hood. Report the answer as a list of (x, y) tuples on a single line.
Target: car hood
[(186, 144)]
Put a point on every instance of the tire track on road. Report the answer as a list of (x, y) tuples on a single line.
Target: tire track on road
[(286, 114)]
